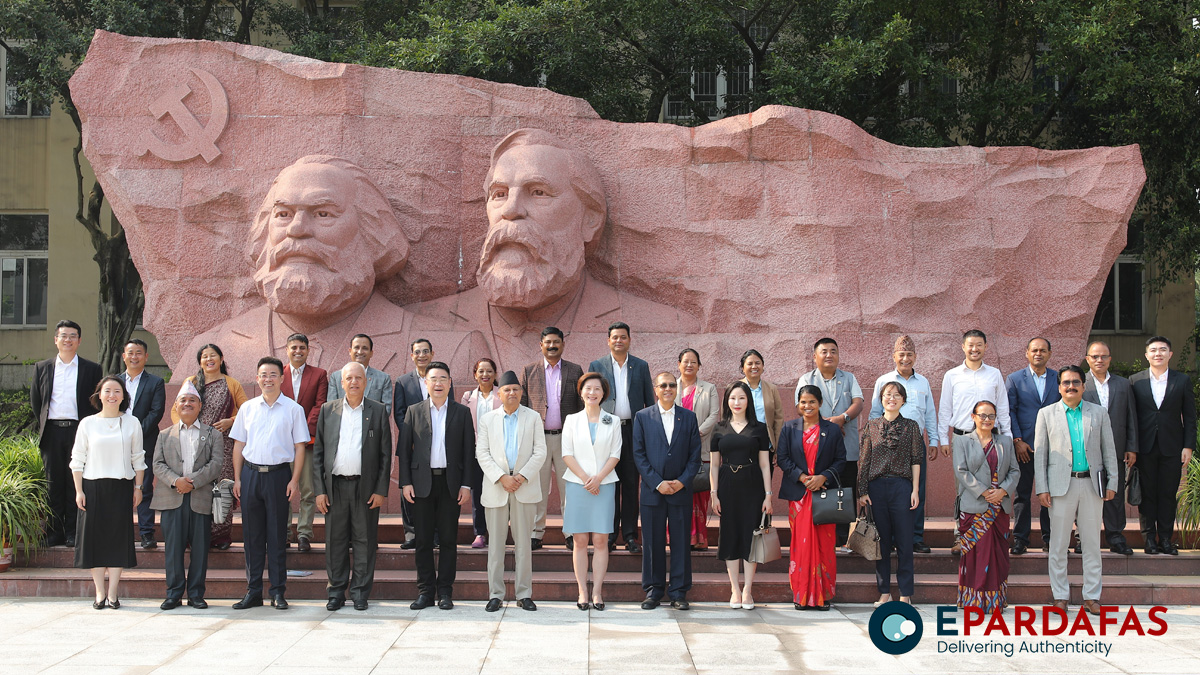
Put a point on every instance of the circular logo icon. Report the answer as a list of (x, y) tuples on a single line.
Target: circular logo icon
[(895, 627)]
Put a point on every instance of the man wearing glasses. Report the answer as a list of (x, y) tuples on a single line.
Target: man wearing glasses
[(59, 395), (1075, 469), (1115, 394)]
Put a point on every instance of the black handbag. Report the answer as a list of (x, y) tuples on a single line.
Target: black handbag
[(833, 505), (1133, 481), (700, 481)]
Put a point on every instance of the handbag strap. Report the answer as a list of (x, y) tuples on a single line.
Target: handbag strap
[(765, 521)]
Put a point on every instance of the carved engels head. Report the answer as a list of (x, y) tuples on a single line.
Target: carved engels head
[(545, 202), (323, 237)]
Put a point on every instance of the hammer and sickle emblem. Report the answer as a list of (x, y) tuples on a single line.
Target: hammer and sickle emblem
[(198, 140)]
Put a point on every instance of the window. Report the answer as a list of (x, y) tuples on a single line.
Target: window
[(14, 104), (24, 270), (717, 93), (1122, 303)]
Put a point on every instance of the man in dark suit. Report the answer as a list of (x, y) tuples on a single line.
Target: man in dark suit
[(1029, 390), (308, 386), (666, 450), (630, 390), (549, 388), (1115, 394), (1166, 412), (148, 394), (436, 445), (411, 389), (352, 466), (59, 396)]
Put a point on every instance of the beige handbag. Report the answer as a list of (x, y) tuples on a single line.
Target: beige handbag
[(864, 537), (764, 547)]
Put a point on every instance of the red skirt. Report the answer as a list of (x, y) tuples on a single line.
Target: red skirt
[(812, 570)]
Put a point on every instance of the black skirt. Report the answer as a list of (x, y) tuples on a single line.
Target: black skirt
[(104, 532)]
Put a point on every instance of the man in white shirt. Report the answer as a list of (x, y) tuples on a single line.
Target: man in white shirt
[(919, 408), (351, 472), (964, 386), (269, 435)]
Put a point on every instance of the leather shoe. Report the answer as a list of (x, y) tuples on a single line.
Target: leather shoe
[(223, 546), (70, 542), (422, 602), (921, 547), (409, 545), (279, 602), (1121, 548), (633, 547), (445, 602), (681, 604), (248, 602), (335, 604), (304, 545), (1092, 607), (494, 605), (527, 604), (198, 603), (55, 540), (1170, 548), (170, 603), (650, 603), (149, 544), (360, 604), (1061, 604), (535, 544), (570, 543), (612, 546), (1152, 548), (1018, 547)]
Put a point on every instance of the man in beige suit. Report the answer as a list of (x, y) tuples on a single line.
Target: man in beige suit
[(511, 449), (1073, 441), (188, 459)]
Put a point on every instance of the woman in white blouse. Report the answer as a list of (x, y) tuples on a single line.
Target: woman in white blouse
[(108, 464), (591, 447), (481, 400)]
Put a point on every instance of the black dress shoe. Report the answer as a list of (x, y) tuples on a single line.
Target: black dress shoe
[(612, 546), (570, 543), (1018, 548), (248, 602), (1045, 547), (598, 606), (55, 540), (223, 546), (535, 544), (632, 546), (304, 546), (1122, 548), (681, 604), (584, 606), (921, 547), (114, 604), (361, 604), (148, 543), (198, 603), (70, 542), (100, 604), (1078, 548), (494, 605), (1152, 548), (527, 604), (170, 603), (445, 602), (279, 602), (409, 545), (1170, 548), (422, 602), (335, 604), (650, 603)]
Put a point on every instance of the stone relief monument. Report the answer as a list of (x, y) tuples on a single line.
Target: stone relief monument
[(281, 194)]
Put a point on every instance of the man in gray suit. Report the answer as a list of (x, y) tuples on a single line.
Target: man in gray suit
[(352, 465), (1115, 394), (1073, 447), (188, 460), (379, 384)]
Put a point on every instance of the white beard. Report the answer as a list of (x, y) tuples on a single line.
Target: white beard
[(532, 286), (311, 290)]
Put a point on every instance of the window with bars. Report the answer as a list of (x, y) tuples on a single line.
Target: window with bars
[(24, 270), (1123, 301)]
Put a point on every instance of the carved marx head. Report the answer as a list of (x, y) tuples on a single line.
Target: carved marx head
[(545, 201), (323, 237)]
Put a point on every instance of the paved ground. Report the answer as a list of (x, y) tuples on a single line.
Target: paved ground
[(68, 636)]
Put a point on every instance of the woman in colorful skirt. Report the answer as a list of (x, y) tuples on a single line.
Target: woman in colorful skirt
[(986, 475), (701, 398), (810, 455)]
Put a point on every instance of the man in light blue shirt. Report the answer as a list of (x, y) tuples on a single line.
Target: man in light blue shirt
[(918, 407)]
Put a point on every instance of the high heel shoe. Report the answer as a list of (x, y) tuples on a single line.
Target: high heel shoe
[(881, 600), (100, 604), (584, 606), (597, 605), (114, 604), (735, 602), (748, 605)]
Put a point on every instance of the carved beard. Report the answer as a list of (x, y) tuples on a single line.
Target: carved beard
[(553, 271), (305, 288)]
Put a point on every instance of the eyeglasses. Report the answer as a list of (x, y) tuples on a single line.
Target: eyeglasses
[(68, 336), (1071, 383), (668, 385), (1099, 357), (422, 352), (986, 417)]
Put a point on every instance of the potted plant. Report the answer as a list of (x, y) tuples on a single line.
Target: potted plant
[(22, 496)]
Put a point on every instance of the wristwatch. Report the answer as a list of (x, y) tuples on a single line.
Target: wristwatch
[(137, 486), (845, 418)]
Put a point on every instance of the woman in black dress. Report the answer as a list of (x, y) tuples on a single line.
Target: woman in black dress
[(741, 485)]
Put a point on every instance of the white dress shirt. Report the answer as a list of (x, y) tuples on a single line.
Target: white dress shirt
[(63, 404), (437, 420), (668, 420), (484, 405), (131, 385), (918, 406), (270, 431), (424, 388), (189, 442), (348, 460), (1102, 388), (1158, 387), (962, 388), (297, 375), (621, 389), (108, 447), (1039, 381)]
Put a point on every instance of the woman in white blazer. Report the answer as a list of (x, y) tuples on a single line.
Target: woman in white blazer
[(591, 447), (701, 398)]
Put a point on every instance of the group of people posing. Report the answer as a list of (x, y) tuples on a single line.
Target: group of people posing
[(622, 445)]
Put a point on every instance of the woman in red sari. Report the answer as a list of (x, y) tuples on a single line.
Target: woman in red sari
[(810, 453), (986, 475), (701, 398)]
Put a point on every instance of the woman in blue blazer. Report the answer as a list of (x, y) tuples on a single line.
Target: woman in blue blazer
[(811, 453)]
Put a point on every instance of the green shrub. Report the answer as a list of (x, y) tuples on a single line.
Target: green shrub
[(22, 508), (16, 415), (20, 452)]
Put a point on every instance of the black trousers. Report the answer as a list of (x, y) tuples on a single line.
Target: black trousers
[(1160, 483), (55, 445), (1114, 510), (919, 513), (1023, 505), (183, 527), (437, 513), (656, 520), (849, 478), (889, 504), (145, 514), (625, 518), (265, 515), (350, 523), (478, 514)]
